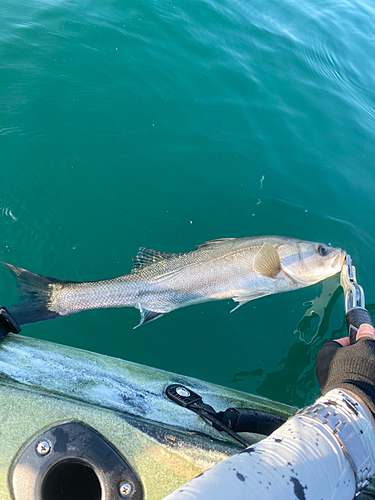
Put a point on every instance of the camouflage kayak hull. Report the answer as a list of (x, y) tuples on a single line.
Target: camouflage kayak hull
[(44, 384)]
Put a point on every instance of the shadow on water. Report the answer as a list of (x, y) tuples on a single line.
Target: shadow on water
[(297, 368)]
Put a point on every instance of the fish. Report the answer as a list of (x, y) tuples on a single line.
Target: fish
[(242, 269)]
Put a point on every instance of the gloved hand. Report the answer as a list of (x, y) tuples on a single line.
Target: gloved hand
[(340, 365)]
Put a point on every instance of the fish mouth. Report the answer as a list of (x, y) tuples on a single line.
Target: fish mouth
[(340, 259)]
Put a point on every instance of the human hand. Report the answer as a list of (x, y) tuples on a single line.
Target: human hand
[(364, 330), (340, 365)]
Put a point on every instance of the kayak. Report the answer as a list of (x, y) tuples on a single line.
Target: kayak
[(63, 409)]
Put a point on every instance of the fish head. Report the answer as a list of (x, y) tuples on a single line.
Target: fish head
[(308, 262)]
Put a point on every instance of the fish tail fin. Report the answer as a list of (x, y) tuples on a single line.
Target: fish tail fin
[(35, 293)]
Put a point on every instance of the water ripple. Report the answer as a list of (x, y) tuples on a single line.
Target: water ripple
[(321, 61), (7, 211)]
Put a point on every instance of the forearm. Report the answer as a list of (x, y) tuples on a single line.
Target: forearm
[(302, 459)]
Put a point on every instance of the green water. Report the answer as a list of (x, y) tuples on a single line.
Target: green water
[(166, 124)]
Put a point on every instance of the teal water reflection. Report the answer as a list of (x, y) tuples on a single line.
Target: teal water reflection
[(166, 124)]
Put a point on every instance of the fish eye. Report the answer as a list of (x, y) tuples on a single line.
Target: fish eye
[(322, 250)]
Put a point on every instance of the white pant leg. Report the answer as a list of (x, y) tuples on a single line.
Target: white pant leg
[(301, 460)]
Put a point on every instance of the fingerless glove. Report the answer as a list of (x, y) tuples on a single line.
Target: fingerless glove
[(351, 368)]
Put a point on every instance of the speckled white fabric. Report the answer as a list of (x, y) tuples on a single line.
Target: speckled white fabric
[(301, 460)]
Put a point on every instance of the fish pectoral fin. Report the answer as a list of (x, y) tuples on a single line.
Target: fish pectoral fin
[(267, 261), (145, 257), (242, 299), (147, 316)]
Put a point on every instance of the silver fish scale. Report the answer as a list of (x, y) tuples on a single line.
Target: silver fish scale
[(204, 274), (216, 270)]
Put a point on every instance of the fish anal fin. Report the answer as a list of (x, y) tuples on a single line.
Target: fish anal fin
[(213, 242), (267, 261), (146, 257), (243, 299), (147, 316)]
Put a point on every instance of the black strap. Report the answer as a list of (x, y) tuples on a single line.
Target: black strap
[(231, 420), (249, 420), (7, 323)]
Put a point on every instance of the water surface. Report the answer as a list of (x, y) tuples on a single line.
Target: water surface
[(166, 124)]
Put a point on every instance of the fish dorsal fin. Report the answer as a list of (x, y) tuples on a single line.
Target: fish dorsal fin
[(213, 242), (146, 257), (267, 261)]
